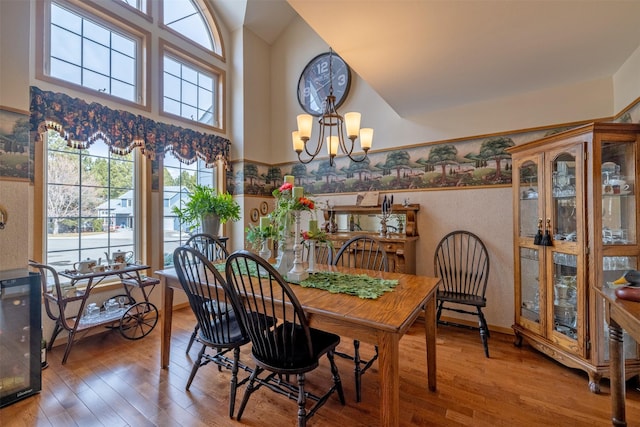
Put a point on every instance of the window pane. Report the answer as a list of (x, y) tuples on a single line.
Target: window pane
[(189, 93), (205, 99), (123, 90), (65, 45), (171, 86), (185, 18), (66, 19), (124, 68), (123, 45), (96, 57), (171, 106), (189, 112), (95, 81), (97, 33)]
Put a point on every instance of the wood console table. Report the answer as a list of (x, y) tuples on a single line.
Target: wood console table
[(621, 315)]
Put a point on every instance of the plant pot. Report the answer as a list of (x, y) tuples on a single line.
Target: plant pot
[(211, 224)]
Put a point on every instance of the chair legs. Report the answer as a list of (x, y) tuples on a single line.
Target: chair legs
[(482, 323), (298, 393), (360, 366), (204, 359), (193, 338), (484, 332)]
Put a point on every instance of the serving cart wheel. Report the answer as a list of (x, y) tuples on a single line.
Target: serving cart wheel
[(139, 320)]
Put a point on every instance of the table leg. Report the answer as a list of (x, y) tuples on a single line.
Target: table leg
[(430, 332), (389, 375), (616, 357), (167, 317)]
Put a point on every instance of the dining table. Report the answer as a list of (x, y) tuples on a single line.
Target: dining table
[(622, 316), (381, 321)]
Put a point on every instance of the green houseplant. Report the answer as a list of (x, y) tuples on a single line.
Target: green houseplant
[(207, 209)]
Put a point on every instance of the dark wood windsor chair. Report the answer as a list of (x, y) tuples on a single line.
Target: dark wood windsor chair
[(287, 346), (218, 326), (462, 262), (361, 251), (214, 250)]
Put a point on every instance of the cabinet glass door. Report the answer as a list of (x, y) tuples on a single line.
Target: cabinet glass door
[(565, 294), (530, 284), (529, 200), (563, 183), (618, 193)]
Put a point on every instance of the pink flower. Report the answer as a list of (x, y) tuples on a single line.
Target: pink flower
[(285, 187), (305, 235)]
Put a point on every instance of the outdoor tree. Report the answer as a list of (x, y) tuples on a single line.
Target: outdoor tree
[(443, 155), (63, 193)]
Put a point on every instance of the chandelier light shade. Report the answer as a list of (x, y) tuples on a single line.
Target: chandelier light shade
[(332, 131)]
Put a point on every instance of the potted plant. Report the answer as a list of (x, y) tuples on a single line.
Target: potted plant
[(207, 209)]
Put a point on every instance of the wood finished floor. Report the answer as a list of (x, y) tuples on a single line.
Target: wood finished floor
[(110, 381)]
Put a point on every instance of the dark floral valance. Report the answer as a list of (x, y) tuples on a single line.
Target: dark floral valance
[(81, 124)]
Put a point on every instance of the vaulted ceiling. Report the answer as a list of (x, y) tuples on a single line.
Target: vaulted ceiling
[(425, 55)]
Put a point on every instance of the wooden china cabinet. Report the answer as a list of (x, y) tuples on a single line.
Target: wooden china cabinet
[(575, 229)]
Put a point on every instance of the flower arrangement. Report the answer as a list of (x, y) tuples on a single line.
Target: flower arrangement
[(289, 199)]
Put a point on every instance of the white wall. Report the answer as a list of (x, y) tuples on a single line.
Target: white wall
[(626, 82)]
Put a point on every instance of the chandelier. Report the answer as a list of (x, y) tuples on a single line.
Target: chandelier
[(332, 131)]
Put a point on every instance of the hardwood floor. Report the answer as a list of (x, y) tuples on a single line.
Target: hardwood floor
[(113, 382)]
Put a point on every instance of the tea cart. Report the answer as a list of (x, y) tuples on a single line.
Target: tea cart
[(67, 305)]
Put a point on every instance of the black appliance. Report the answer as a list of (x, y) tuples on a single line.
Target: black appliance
[(20, 335)]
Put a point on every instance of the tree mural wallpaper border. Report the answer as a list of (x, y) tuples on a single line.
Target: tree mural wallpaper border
[(476, 162)]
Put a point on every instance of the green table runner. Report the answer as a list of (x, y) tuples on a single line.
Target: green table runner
[(360, 285)]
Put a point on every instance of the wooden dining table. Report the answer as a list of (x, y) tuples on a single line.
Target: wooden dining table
[(382, 322), (621, 315)]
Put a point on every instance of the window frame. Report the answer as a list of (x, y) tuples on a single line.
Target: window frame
[(95, 13), (180, 55)]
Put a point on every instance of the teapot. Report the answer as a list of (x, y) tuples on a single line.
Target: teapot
[(119, 257), (85, 266)]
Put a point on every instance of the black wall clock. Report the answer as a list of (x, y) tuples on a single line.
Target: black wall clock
[(314, 84)]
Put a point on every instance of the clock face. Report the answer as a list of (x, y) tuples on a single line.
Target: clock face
[(314, 85)]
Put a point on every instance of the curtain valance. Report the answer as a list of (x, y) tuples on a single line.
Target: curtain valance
[(81, 124)]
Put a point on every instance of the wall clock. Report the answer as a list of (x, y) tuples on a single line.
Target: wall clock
[(314, 83)]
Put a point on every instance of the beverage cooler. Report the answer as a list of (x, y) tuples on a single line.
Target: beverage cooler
[(20, 335)]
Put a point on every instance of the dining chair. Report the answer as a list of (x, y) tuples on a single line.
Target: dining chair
[(287, 346), (462, 263), (214, 250), (218, 326), (323, 252), (361, 251)]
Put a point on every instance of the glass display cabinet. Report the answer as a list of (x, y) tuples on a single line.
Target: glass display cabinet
[(575, 227)]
